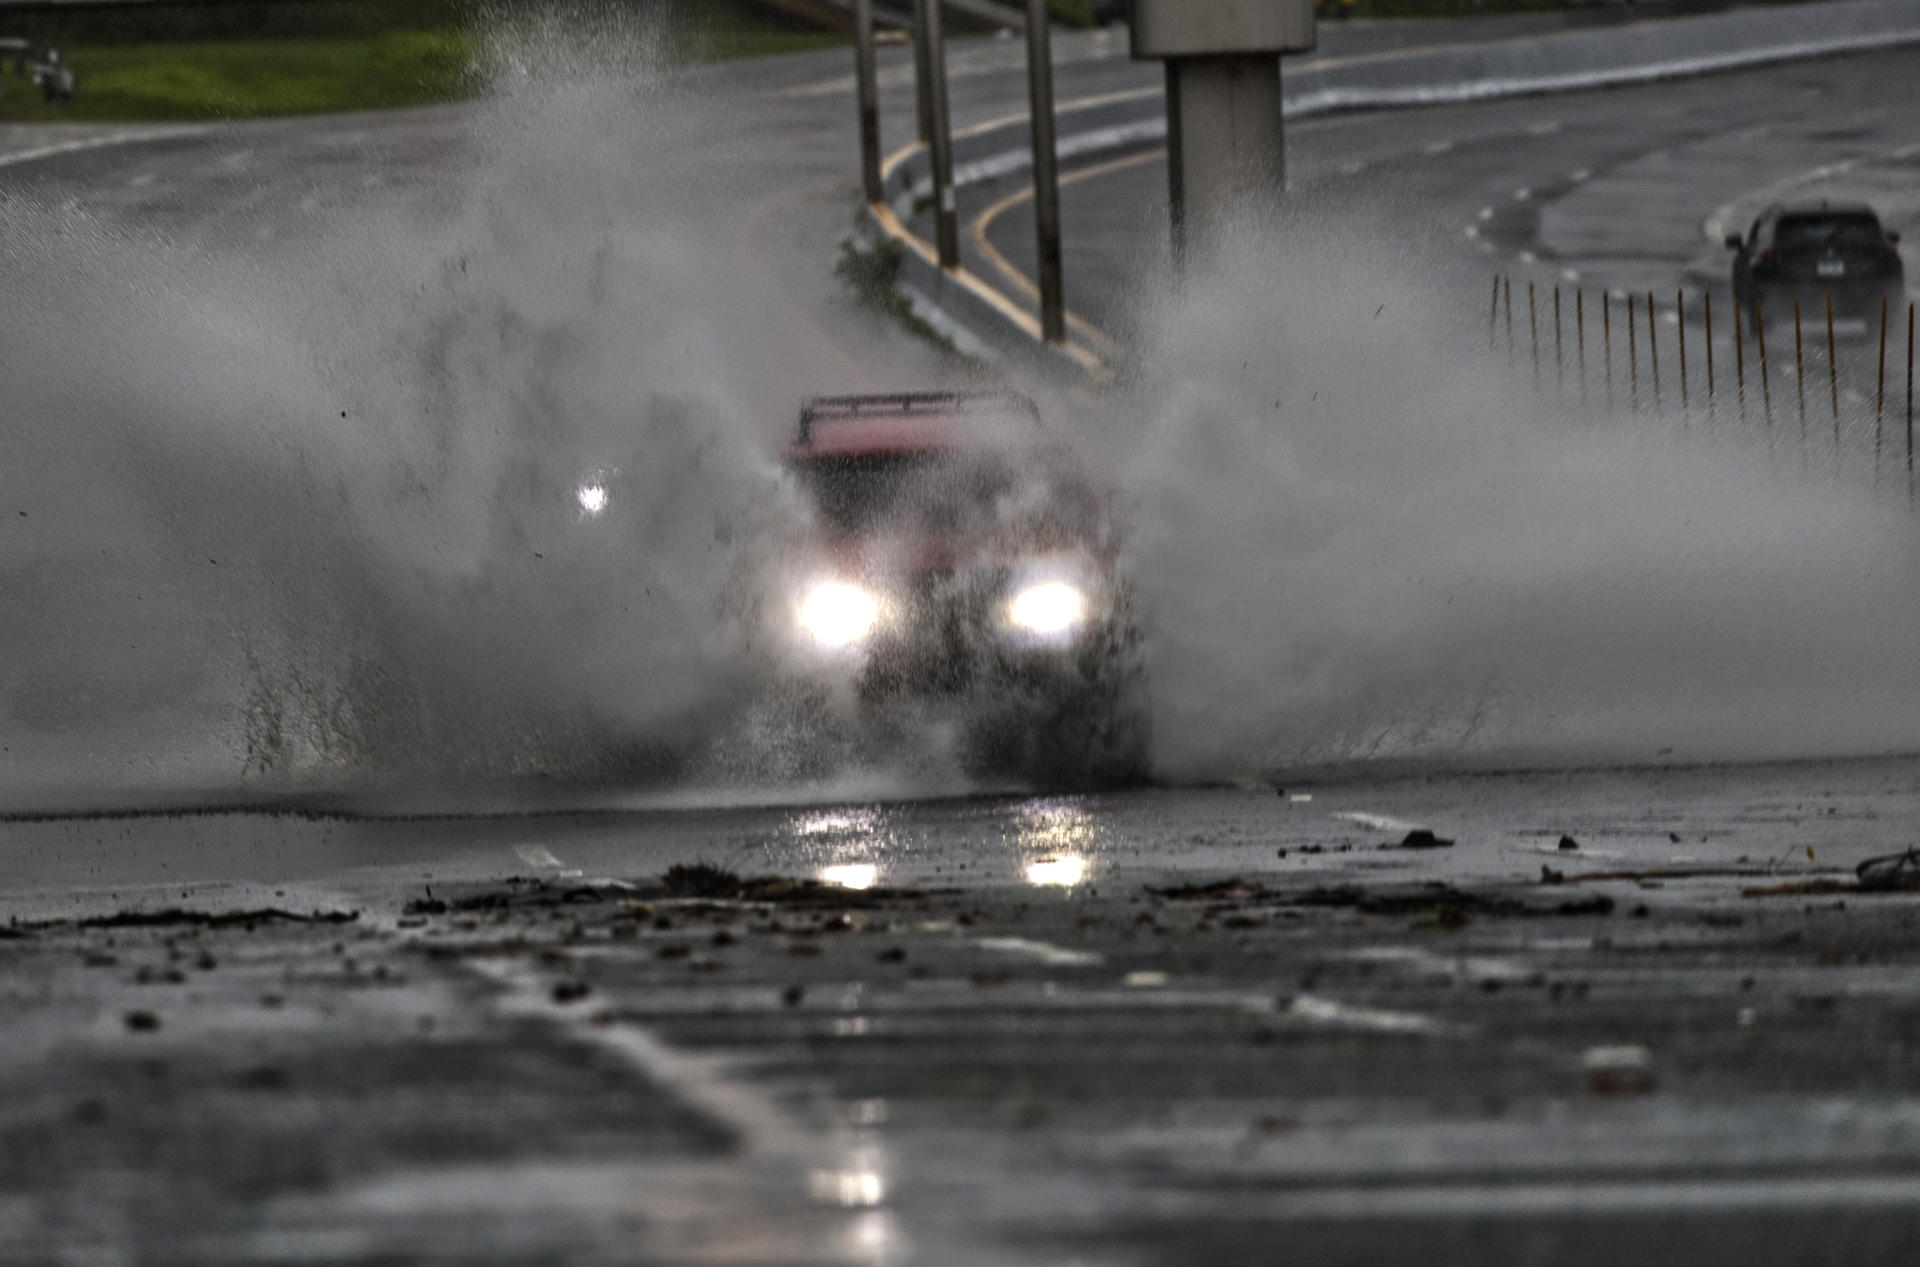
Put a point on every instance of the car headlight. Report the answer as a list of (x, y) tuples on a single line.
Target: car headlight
[(838, 614), (1049, 609)]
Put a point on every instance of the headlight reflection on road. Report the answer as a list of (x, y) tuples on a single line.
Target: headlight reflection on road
[(838, 614), (851, 875), (855, 1189), (592, 498), (1058, 839), (1061, 871)]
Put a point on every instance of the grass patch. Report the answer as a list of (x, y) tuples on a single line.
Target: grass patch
[(254, 78), (237, 61), (872, 274)]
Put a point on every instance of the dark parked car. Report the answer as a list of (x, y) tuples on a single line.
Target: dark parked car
[(1809, 251)]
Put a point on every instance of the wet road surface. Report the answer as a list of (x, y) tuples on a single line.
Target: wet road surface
[(1159, 1027)]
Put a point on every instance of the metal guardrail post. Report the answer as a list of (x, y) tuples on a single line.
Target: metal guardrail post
[(867, 90), (940, 143), (922, 72), (1046, 183)]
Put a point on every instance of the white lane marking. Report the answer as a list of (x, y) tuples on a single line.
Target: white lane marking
[(1580, 175), (1451, 967), (1324, 1011), (1485, 213), (1379, 822), (1437, 147), (537, 855), (142, 180), (1352, 169), (763, 1127), (1545, 128), (99, 142), (1522, 194), (1588, 1196), (1045, 952)]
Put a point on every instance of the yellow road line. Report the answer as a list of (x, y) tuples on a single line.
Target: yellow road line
[(1085, 358), (1011, 271)]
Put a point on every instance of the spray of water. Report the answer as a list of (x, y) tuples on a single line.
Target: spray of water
[(1358, 539), (312, 510)]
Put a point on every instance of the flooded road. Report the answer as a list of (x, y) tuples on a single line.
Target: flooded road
[(1471, 1017)]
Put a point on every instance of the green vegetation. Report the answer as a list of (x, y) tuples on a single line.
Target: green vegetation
[(230, 61), (1065, 12)]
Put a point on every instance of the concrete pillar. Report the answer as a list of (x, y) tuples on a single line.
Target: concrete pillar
[(1226, 149), (1226, 145)]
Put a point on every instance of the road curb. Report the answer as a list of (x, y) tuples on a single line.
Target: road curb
[(1571, 61)]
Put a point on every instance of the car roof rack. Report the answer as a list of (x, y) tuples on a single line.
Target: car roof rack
[(837, 408)]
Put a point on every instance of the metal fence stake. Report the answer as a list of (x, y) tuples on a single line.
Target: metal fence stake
[(1633, 357), (1606, 342), (1506, 287), (1559, 362), (1833, 375), (1706, 299), (1533, 336), (1800, 378), (1580, 339), (1653, 353), (1766, 380), (1880, 394), (1680, 315)]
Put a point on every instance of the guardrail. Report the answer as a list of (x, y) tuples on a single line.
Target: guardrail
[(1635, 52)]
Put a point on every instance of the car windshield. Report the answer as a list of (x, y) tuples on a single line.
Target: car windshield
[(947, 493), (1827, 229)]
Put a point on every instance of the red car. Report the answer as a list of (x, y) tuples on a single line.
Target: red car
[(959, 557)]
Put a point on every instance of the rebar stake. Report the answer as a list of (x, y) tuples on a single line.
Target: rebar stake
[(1680, 316), (1653, 353)]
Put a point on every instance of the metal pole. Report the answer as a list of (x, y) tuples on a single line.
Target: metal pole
[(1493, 313), (1606, 342), (1740, 359), (1533, 336), (1506, 287), (945, 215), (1633, 357), (1046, 183), (1909, 404), (1800, 377), (922, 73), (1833, 374), (1580, 337), (1653, 353), (867, 90), (1880, 394), (1766, 380), (1680, 315), (1707, 299), (1559, 358)]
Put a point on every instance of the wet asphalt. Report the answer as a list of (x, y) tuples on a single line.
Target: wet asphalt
[(1651, 1012), (1168, 1026)]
